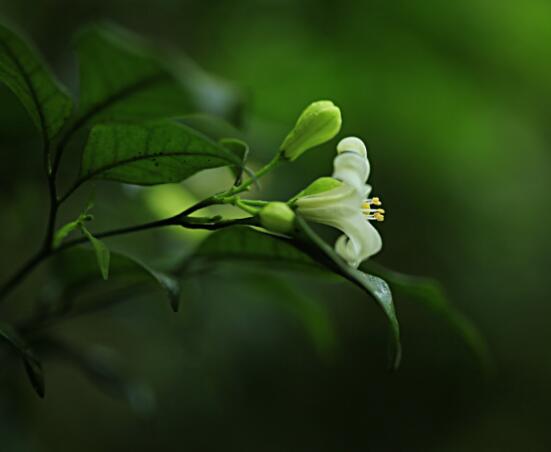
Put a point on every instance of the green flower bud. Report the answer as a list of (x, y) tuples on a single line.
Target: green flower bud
[(277, 217), (318, 123)]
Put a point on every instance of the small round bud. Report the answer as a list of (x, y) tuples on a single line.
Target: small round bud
[(277, 217), (317, 124)]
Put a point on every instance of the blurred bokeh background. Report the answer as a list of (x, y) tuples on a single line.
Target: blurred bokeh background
[(454, 100)]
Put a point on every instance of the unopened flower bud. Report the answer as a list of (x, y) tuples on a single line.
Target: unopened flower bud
[(277, 217), (317, 124)]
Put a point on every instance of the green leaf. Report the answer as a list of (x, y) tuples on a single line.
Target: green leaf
[(103, 367), (75, 269), (150, 153), (124, 77), (24, 72), (312, 314), (431, 294), (212, 126), (32, 365), (374, 286), (64, 231), (307, 252), (103, 254), (242, 243)]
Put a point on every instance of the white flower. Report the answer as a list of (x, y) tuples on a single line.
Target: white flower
[(346, 206)]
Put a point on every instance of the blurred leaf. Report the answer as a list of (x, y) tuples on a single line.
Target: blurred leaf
[(150, 153), (309, 252), (212, 126), (374, 286), (312, 314), (241, 151), (24, 72), (102, 366), (242, 243), (32, 365), (103, 254), (75, 269), (431, 294), (122, 76)]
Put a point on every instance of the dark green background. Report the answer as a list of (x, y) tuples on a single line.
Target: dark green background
[(454, 99)]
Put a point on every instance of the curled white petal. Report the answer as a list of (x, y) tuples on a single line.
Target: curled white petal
[(352, 169), (352, 144), (359, 242)]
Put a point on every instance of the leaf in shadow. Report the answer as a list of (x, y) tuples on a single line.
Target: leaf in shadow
[(24, 72), (31, 363)]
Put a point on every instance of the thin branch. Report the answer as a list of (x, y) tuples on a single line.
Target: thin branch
[(182, 220)]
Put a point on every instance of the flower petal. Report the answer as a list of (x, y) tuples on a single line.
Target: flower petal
[(344, 194), (352, 144), (352, 169), (361, 241)]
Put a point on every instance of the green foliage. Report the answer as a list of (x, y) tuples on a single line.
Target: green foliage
[(313, 316), (76, 269), (242, 243), (32, 365), (103, 255), (24, 72), (308, 252), (64, 231), (376, 287), (429, 293), (103, 367), (150, 153), (121, 77), (124, 77), (141, 104)]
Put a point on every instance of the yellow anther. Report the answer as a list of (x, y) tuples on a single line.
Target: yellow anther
[(381, 210), (378, 216), (366, 206), (376, 201)]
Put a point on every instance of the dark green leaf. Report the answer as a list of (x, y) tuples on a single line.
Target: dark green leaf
[(374, 286), (242, 243), (306, 252), (122, 77), (103, 255), (32, 365), (312, 314), (76, 269), (102, 366), (150, 153), (211, 126), (432, 295), (24, 72)]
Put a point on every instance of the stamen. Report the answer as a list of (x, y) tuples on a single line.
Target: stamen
[(375, 201), (370, 213)]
